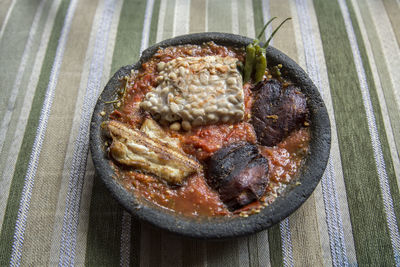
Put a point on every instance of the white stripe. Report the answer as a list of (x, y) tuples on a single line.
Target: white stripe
[(15, 147), (250, 29), (287, 248), (235, 17), (125, 247), (5, 22), (20, 73), (161, 18), (78, 168), (381, 95), (373, 131), (181, 17), (146, 25), (37, 145), (266, 17)]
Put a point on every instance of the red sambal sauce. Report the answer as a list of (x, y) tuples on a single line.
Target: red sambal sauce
[(195, 197)]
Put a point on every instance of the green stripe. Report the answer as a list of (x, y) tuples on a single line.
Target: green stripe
[(219, 16), (104, 231), (258, 17), (105, 213), (154, 22), (12, 46), (275, 245), (129, 36), (394, 189), (372, 241), (6, 236), (383, 71)]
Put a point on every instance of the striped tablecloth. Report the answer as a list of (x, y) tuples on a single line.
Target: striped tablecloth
[(57, 55)]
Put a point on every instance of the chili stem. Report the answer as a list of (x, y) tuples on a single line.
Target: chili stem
[(265, 26), (274, 32)]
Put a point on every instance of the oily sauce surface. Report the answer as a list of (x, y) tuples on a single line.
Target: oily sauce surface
[(195, 197)]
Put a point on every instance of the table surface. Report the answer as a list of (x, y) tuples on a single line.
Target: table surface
[(55, 58)]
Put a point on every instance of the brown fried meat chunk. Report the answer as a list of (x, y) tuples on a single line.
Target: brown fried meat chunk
[(238, 173), (277, 111)]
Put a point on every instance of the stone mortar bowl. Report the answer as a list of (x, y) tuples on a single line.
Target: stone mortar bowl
[(220, 227)]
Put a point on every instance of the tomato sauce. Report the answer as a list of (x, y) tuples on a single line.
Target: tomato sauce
[(195, 197)]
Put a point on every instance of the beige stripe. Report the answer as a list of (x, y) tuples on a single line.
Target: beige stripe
[(284, 39), (7, 14), (335, 152), (38, 235), (390, 49), (21, 121), (393, 11), (381, 97), (297, 36), (198, 16), (87, 187)]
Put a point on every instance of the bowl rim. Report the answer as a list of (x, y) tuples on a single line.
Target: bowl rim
[(225, 227)]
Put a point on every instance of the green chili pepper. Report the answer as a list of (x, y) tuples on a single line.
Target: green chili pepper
[(256, 61), (248, 65), (261, 65)]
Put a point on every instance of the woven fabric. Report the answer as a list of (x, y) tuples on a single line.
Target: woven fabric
[(57, 55)]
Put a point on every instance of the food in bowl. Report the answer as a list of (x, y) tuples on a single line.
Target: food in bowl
[(189, 135)]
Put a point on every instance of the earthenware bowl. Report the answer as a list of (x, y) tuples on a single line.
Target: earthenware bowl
[(216, 228)]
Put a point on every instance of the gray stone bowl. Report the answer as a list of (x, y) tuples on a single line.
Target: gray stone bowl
[(222, 227)]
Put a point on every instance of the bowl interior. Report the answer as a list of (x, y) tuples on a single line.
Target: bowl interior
[(223, 227)]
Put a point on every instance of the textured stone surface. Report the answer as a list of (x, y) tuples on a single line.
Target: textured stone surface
[(216, 228)]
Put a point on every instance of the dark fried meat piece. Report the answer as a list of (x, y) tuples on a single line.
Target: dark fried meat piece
[(277, 112), (238, 173)]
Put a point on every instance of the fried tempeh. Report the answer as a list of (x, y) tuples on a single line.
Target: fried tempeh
[(134, 148)]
